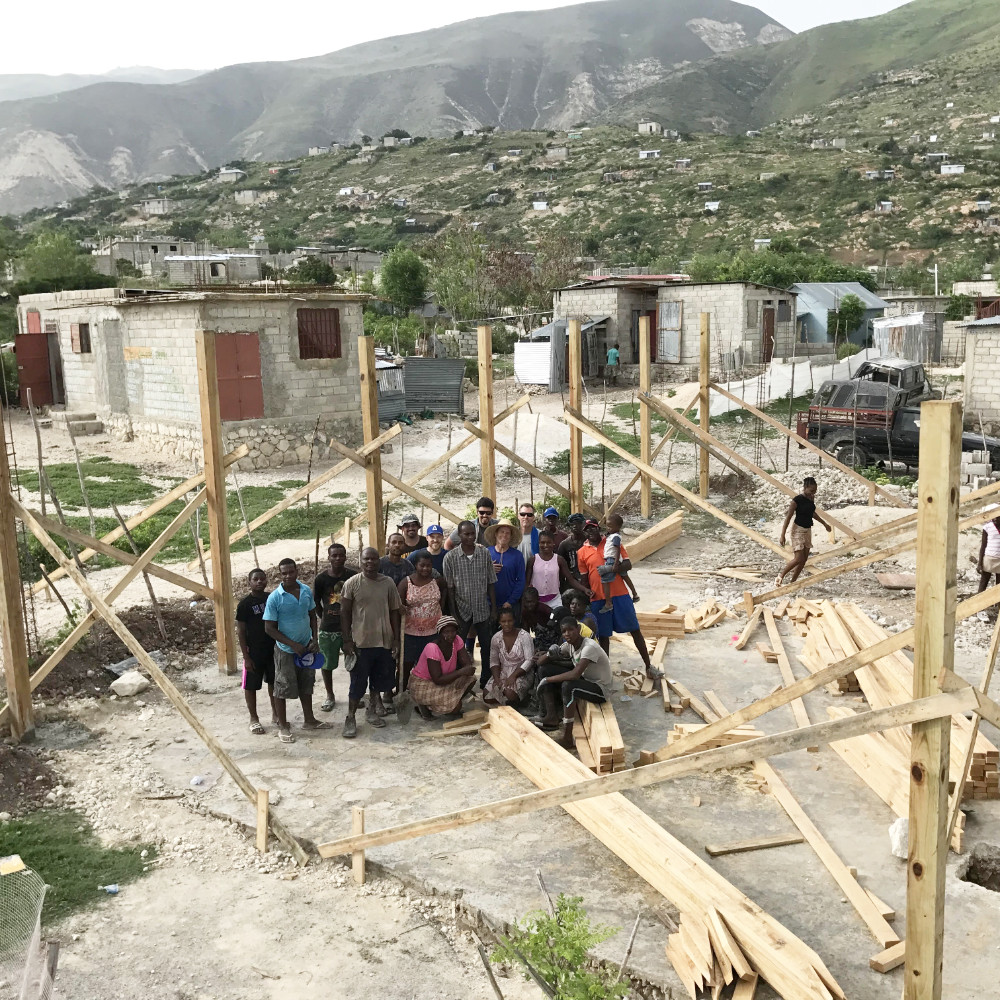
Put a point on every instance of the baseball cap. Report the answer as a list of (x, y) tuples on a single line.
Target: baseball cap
[(591, 522), (409, 519), (310, 661), (434, 529), (549, 511), (573, 518)]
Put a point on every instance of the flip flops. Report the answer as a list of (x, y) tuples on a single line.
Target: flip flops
[(256, 728), (285, 737), (328, 705)]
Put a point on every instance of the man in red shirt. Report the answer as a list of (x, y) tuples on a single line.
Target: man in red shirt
[(621, 618)]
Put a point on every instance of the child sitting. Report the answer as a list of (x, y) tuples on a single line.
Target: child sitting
[(612, 562)]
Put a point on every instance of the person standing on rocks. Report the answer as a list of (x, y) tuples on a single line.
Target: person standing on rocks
[(370, 615), (257, 646), (290, 620), (803, 509), (327, 588)]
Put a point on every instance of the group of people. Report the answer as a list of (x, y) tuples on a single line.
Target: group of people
[(541, 601)]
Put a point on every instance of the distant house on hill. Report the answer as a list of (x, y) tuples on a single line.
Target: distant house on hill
[(251, 196), (649, 127), (557, 153), (767, 175), (705, 185), (712, 207), (230, 175), (817, 299), (951, 169), (516, 151), (753, 133), (490, 168), (884, 208), (649, 154), (319, 150), (157, 206), (683, 163)]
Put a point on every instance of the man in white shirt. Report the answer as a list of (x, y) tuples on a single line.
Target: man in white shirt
[(989, 562)]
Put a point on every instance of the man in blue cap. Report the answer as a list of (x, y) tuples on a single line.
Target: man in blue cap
[(551, 517), (435, 547)]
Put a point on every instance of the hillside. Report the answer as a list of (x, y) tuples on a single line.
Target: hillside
[(646, 212), (18, 86), (543, 69)]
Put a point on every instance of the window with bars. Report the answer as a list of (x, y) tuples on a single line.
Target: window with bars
[(784, 311), (79, 335), (319, 333)]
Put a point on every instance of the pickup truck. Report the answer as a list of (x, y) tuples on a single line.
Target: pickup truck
[(872, 436)]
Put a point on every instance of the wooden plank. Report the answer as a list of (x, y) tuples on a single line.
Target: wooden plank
[(645, 422), (574, 337), (179, 491), (358, 857), (403, 488), (486, 451), (369, 427), (704, 410), (798, 707), (685, 496), (789, 965), (533, 470), (933, 652), (463, 730), (748, 629), (891, 958), (840, 668), (13, 640), (755, 844), (162, 681), (887, 911), (707, 760), (655, 538), (688, 700), (467, 719), (223, 601), (805, 443), (263, 810), (723, 938), (746, 989), (61, 651)]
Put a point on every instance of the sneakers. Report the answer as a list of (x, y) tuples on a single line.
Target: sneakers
[(350, 728)]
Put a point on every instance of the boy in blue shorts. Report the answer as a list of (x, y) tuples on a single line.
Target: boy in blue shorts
[(613, 563)]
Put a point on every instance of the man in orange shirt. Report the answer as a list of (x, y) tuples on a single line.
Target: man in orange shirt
[(621, 618)]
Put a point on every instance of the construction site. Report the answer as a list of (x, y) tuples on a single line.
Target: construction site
[(803, 807)]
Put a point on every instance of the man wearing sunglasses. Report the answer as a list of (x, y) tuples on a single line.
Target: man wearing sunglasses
[(484, 518), (529, 531)]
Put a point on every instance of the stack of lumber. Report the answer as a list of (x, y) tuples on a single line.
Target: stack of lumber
[(638, 682), (723, 936), (667, 531), (889, 681), (599, 743), (707, 616), (822, 648), (689, 573), (470, 722), (738, 735), (656, 625)]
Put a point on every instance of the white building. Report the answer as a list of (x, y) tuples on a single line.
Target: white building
[(230, 175), (950, 169), (649, 127), (649, 154)]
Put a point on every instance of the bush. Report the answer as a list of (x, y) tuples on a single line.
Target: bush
[(847, 350)]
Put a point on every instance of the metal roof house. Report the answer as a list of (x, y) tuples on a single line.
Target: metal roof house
[(816, 299), (542, 358)]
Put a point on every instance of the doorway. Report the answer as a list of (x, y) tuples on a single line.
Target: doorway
[(767, 337)]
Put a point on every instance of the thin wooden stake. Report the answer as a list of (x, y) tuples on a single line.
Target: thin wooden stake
[(645, 418), (575, 338), (545, 892), (628, 950), (704, 418), (486, 420), (83, 483), (243, 514), (489, 972), (263, 815), (157, 613), (38, 448), (358, 857)]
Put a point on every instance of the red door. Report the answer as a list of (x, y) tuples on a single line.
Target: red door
[(241, 392), (767, 342), (32, 350)]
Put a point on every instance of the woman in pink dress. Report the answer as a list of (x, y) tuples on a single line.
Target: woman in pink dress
[(443, 674), (424, 597), (512, 664)]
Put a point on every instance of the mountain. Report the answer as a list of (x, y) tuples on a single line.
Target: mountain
[(543, 69), (17, 86), (752, 87)]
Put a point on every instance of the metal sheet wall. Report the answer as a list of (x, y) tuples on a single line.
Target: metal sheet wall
[(434, 384)]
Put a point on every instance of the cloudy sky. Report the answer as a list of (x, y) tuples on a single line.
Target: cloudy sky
[(82, 38)]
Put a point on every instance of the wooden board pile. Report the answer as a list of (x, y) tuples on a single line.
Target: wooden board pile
[(637, 682), (822, 647), (711, 613), (668, 530), (661, 624), (599, 743), (723, 936), (738, 735), (729, 572)]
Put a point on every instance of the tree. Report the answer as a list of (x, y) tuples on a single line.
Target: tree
[(126, 269), (776, 267), (313, 271), (847, 318), (398, 133), (404, 278), (53, 262), (366, 140)]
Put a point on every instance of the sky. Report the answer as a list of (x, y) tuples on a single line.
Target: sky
[(81, 38)]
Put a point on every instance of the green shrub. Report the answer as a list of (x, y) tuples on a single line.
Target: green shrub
[(848, 349)]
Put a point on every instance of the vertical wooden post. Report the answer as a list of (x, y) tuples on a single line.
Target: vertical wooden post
[(575, 337), (704, 370), (486, 450), (934, 651), (645, 417), (369, 424), (263, 815), (14, 641), (358, 857), (215, 487)]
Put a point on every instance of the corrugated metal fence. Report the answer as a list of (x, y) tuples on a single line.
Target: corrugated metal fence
[(434, 384)]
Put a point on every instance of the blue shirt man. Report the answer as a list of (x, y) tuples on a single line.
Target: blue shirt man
[(292, 614)]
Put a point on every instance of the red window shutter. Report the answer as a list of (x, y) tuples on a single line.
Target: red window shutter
[(319, 333), (34, 321), (74, 337)]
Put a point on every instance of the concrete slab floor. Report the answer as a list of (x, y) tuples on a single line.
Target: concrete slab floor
[(399, 777)]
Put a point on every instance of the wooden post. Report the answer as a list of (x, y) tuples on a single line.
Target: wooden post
[(934, 652), (704, 419), (263, 815), (358, 857), (15, 644), (645, 417), (575, 338), (369, 423), (215, 485), (486, 460)]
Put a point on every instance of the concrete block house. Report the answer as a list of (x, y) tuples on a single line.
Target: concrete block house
[(125, 361), (750, 323)]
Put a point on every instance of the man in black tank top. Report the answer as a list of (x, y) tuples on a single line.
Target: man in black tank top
[(803, 509)]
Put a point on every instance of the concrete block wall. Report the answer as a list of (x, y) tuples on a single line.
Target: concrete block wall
[(982, 376), (953, 340)]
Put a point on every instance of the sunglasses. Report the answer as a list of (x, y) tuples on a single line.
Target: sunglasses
[(526, 513), (484, 513)]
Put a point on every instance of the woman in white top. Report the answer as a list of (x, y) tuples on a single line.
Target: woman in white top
[(989, 559), (547, 571)]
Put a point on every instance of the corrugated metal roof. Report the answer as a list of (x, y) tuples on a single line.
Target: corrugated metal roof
[(826, 295), (988, 321)]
